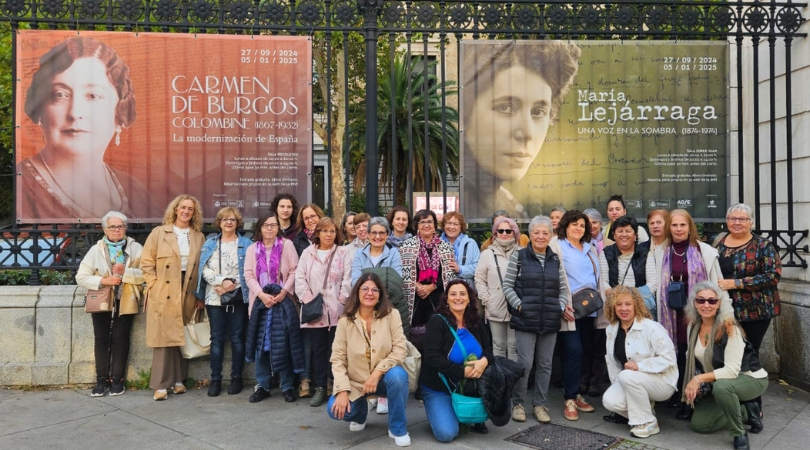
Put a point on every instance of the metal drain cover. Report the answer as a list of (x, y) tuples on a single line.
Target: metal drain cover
[(558, 437)]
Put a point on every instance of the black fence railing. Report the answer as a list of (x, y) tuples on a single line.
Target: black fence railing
[(750, 27)]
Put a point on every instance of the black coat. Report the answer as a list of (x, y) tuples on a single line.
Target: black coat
[(438, 342), (286, 347), (495, 387)]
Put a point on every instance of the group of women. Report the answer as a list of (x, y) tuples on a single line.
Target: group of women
[(682, 321)]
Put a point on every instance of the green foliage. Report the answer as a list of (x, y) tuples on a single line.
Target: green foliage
[(414, 108), (46, 277), (142, 383), (357, 202), (6, 126)]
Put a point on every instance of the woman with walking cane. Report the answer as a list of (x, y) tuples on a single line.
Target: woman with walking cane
[(113, 261)]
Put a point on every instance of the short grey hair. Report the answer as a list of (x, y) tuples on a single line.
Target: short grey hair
[(593, 214), (110, 215), (741, 207), (725, 313), (541, 221), (382, 221), (559, 209)]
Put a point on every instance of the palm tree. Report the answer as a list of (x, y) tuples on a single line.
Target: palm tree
[(419, 87)]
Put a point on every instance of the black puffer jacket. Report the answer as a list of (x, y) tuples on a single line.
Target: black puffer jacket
[(285, 333), (495, 387), (538, 286)]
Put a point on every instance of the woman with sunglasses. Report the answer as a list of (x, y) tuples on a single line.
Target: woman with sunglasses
[(488, 282), (723, 374), (679, 266)]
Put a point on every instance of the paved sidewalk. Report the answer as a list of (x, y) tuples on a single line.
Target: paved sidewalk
[(71, 419)]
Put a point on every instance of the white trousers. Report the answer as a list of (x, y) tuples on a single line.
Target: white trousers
[(630, 396)]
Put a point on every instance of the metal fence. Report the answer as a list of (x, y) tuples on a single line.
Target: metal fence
[(416, 26)]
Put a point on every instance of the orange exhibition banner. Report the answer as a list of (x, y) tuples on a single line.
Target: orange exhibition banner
[(115, 121)]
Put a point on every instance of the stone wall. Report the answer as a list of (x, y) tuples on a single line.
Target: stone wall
[(47, 339)]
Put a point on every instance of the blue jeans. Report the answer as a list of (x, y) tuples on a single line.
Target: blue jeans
[(235, 320), (440, 414), (264, 371), (394, 385), (572, 345)]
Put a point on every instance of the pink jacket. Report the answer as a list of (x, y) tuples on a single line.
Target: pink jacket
[(309, 282), (289, 261)]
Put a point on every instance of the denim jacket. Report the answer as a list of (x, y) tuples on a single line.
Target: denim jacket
[(208, 249)]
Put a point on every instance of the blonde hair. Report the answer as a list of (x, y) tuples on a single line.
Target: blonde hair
[(170, 216), (640, 308)]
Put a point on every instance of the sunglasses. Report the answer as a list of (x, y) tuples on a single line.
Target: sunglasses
[(507, 231), (711, 301)]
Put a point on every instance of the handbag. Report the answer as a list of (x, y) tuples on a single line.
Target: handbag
[(587, 301), (99, 300), (676, 295), (649, 301), (412, 365), (704, 389), (198, 337), (469, 410), (233, 297), (313, 310)]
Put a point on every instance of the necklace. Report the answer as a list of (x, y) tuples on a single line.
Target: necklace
[(678, 254), (75, 204)]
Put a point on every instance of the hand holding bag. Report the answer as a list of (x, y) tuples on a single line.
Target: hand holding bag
[(198, 336), (313, 309), (233, 297), (469, 410)]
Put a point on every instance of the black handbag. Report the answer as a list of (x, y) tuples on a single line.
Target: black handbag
[(587, 301), (233, 297), (313, 309), (676, 295)]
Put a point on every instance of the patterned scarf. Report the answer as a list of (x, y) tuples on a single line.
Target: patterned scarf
[(397, 241), (116, 250), (267, 271), (697, 273), (309, 233), (428, 260)]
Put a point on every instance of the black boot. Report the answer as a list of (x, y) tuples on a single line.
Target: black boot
[(685, 413), (214, 388), (741, 442), (754, 419), (236, 386)]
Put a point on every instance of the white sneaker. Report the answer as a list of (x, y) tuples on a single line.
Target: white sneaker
[(401, 441), (382, 405), (354, 426), (372, 403), (645, 430)]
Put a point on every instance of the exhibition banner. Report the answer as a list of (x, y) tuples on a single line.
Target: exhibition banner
[(128, 121), (570, 123)]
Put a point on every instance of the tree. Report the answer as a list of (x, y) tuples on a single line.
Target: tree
[(410, 83)]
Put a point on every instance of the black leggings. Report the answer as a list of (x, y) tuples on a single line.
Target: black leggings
[(755, 331), (121, 331), (321, 339)]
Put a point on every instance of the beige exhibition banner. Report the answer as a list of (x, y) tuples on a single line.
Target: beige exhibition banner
[(127, 121), (570, 123)]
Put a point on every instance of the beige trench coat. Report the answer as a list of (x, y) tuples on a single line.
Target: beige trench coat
[(169, 302)]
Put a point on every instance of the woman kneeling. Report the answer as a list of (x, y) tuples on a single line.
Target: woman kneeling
[(723, 375), (640, 360), (369, 347)]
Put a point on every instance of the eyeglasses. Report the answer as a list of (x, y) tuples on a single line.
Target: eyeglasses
[(229, 219), (312, 217), (711, 301), (737, 219), (266, 226), (506, 231), (365, 290), (424, 223), (117, 227), (378, 233)]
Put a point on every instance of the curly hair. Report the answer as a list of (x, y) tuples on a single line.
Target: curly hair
[(556, 62), (470, 314), (638, 303), (382, 308), (455, 215), (61, 57), (285, 196), (571, 217), (170, 216)]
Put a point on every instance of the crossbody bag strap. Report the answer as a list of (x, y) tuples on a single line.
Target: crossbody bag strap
[(463, 350), (498, 267), (464, 255), (629, 263), (328, 268), (595, 272)]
